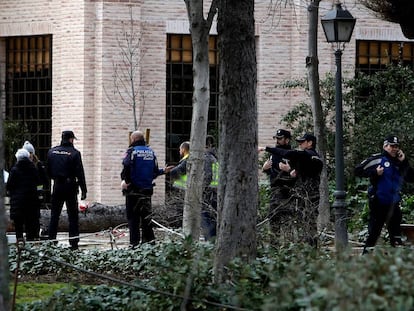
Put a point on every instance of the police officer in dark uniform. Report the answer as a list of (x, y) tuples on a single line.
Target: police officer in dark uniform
[(140, 168), (387, 172), (305, 165), (64, 166), (280, 183)]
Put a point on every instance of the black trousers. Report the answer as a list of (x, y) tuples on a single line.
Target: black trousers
[(279, 207), (29, 223), (379, 215), (209, 213), (138, 212), (65, 192)]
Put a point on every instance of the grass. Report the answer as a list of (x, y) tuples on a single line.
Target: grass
[(30, 291)]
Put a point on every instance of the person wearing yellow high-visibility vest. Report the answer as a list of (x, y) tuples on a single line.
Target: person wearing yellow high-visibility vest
[(179, 173), (209, 208)]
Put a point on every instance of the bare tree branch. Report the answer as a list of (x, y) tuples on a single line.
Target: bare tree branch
[(211, 13)]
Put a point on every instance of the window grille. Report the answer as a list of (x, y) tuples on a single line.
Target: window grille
[(180, 92), (29, 88)]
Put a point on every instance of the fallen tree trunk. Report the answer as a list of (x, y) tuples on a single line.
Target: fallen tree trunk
[(96, 218)]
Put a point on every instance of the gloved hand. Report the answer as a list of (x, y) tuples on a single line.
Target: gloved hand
[(83, 195)]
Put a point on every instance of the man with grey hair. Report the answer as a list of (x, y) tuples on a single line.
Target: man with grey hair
[(140, 168)]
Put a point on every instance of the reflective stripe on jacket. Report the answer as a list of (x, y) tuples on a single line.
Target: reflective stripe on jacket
[(215, 169), (181, 182)]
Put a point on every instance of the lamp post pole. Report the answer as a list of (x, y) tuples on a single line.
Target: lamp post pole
[(338, 25), (341, 233)]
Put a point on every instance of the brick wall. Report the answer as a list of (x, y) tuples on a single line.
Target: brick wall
[(85, 49)]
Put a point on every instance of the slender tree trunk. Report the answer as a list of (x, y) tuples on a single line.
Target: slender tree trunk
[(199, 28), (4, 262), (312, 64), (238, 179)]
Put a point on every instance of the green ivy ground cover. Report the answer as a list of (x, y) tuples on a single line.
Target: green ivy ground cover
[(289, 278)]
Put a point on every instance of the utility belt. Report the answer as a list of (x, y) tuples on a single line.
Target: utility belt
[(282, 181), (133, 190), (65, 180)]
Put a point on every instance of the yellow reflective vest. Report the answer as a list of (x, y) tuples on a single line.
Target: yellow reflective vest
[(181, 181), (215, 177)]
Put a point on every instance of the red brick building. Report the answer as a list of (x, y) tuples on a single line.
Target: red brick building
[(58, 60)]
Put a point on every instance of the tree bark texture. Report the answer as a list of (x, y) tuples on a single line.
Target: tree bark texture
[(4, 255), (199, 29), (238, 178), (4, 262), (312, 66)]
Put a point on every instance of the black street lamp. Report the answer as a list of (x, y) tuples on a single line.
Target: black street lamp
[(338, 26)]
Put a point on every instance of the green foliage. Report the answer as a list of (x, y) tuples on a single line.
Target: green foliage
[(295, 277), (407, 208), (15, 133), (382, 104), (374, 107), (349, 283), (30, 291), (300, 118), (101, 297)]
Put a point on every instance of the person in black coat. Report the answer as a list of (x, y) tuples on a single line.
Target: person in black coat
[(24, 202), (65, 167), (280, 185), (43, 189), (305, 165)]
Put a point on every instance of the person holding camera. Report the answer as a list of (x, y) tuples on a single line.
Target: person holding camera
[(280, 184), (305, 166), (387, 172)]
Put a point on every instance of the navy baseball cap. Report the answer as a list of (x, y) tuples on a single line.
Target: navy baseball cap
[(391, 140), (67, 135), (280, 133), (306, 137)]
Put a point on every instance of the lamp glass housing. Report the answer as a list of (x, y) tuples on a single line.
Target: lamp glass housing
[(338, 25)]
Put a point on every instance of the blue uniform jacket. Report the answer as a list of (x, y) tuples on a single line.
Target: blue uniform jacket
[(140, 166), (386, 187)]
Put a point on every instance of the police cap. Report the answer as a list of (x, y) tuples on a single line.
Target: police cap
[(280, 133), (306, 137), (66, 135)]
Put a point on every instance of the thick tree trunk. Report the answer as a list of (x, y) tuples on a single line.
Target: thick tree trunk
[(4, 262), (4, 256), (97, 217), (199, 28), (312, 65), (201, 97), (238, 178)]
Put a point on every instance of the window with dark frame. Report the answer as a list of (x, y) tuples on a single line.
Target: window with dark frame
[(373, 56), (180, 92), (29, 88)]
